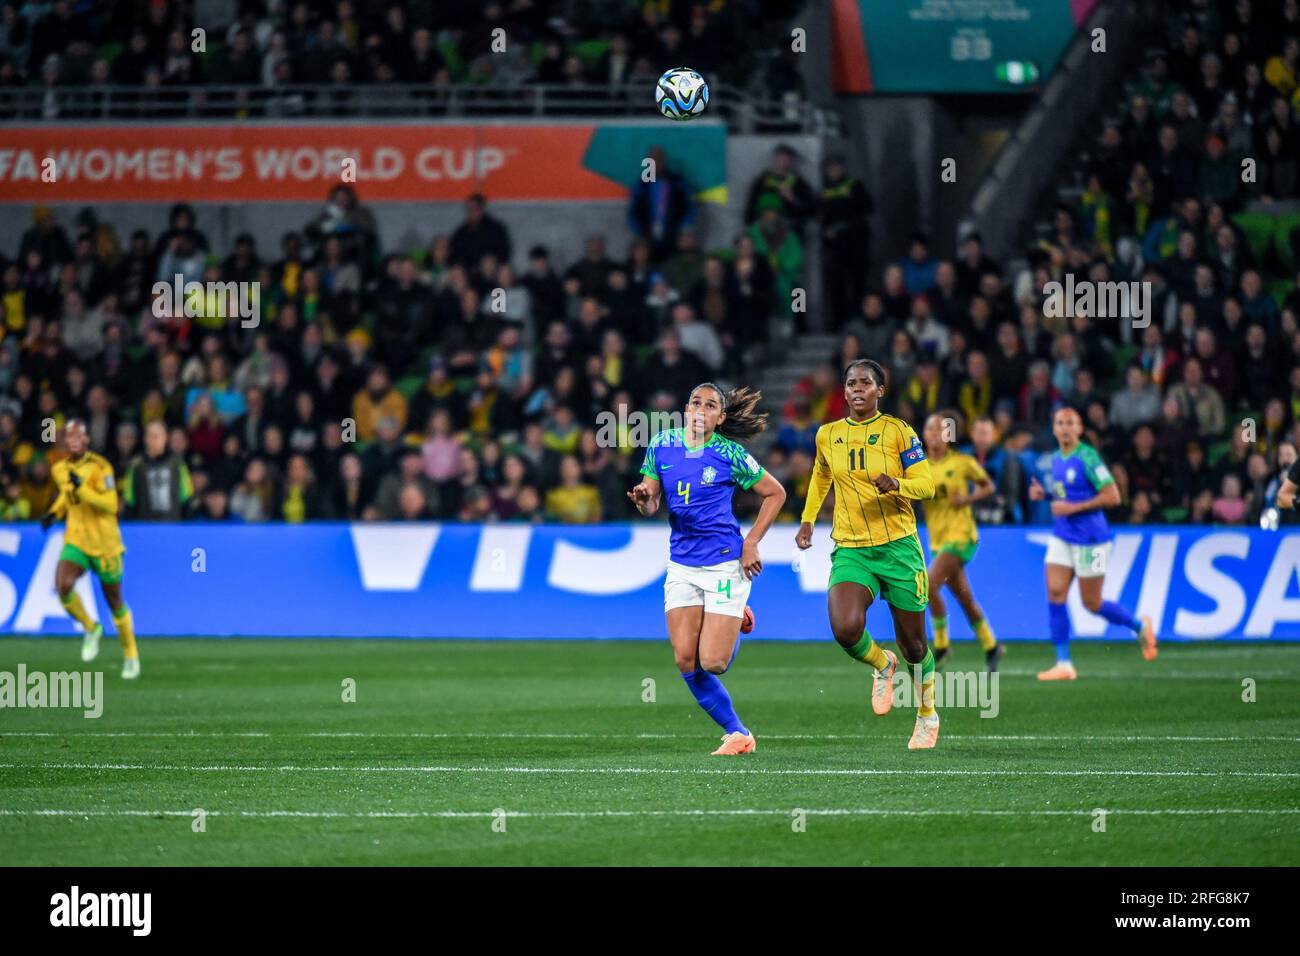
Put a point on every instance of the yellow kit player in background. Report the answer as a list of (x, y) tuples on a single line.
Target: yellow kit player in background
[(88, 500), (954, 537), (877, 466)]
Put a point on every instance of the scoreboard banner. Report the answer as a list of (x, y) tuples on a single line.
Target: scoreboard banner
[(430, 580), (949, 46), (430, 162)]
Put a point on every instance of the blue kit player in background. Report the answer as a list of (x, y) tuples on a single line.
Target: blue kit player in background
[(1080, 547), (710, 567)]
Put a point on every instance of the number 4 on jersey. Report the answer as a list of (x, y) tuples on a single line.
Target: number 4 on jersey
[(684, 491)]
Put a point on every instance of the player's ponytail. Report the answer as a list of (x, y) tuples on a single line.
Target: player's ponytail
[(739, 404)]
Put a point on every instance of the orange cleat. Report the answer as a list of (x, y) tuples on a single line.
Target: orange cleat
[(926, 733), (747, 622), (1062, 670), (1147, 639), (736, 743), (882, 687)]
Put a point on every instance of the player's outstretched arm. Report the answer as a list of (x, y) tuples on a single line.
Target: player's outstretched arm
[(773, 495)]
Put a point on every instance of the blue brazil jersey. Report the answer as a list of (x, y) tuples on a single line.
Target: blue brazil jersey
[(697, 485), (1078, 478)]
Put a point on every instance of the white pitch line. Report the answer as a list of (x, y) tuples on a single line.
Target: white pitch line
[(781, 812), (509, 735), (813, 772)]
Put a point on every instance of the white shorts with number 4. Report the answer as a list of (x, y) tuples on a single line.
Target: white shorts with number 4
[(1086, 560), (720, 588)]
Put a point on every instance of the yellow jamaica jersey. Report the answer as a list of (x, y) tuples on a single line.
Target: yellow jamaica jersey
[(91, 508), (849, 455), (947, 524)]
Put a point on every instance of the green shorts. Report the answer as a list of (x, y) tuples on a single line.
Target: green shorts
[(108, 570), (894, 571), (963, 549)]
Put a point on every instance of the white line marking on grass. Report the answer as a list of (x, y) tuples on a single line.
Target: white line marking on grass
[(719, 812), (809, 771), (510, 735)]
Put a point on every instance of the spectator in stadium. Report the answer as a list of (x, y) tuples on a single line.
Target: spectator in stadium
[(1200, 401), (783, 250), (660, 207), (378, 400), (781, 180), (157, 485), (919, 266), (927, 332), (574, 501), (975, 393), (672, 370), (798, 431), (479, 235), (844, 208), (1137, 403)]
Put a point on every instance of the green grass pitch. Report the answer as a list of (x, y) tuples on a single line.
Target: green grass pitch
[(442, 735)]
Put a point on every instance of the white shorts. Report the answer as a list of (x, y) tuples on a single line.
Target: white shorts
[(1086, 560), (720, 588)]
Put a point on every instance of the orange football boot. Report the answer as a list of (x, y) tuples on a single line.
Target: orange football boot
[(734, 744)]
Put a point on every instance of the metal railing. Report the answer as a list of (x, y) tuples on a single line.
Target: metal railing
[(108, 103)]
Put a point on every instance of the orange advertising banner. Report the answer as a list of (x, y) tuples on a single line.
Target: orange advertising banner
[(245, 163)]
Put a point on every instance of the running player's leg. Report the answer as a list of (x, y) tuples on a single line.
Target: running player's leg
[(846, 604), (66, 573), (124, 623), (685, 625), (909, 632), (942, 569), (959, 584), (1090, 588), (65, 582), (719, 641), (1058, 578)]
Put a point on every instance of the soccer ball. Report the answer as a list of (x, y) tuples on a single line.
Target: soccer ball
[(682, 94)]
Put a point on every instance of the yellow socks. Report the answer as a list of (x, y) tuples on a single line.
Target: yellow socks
[(926, 708), (869, 652), (940, 632), (126, 631), (984, 634), (72, 604)]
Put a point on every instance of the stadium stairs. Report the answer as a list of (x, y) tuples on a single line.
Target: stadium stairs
[(777, 381)]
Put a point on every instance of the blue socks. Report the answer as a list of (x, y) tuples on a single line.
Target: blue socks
[(1118, 615), (1058, 620), (714, 699)]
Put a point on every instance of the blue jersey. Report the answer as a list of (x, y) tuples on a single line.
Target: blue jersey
[(698, 484), (1078, 478)]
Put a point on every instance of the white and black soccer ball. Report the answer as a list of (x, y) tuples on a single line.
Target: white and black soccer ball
[(682, 94)]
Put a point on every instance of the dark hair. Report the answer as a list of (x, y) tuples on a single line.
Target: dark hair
[(739, 404), (877, 371)]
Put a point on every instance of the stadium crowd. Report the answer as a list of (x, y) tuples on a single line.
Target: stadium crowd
[(266, 45), (1198, 412), (465, 381)]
